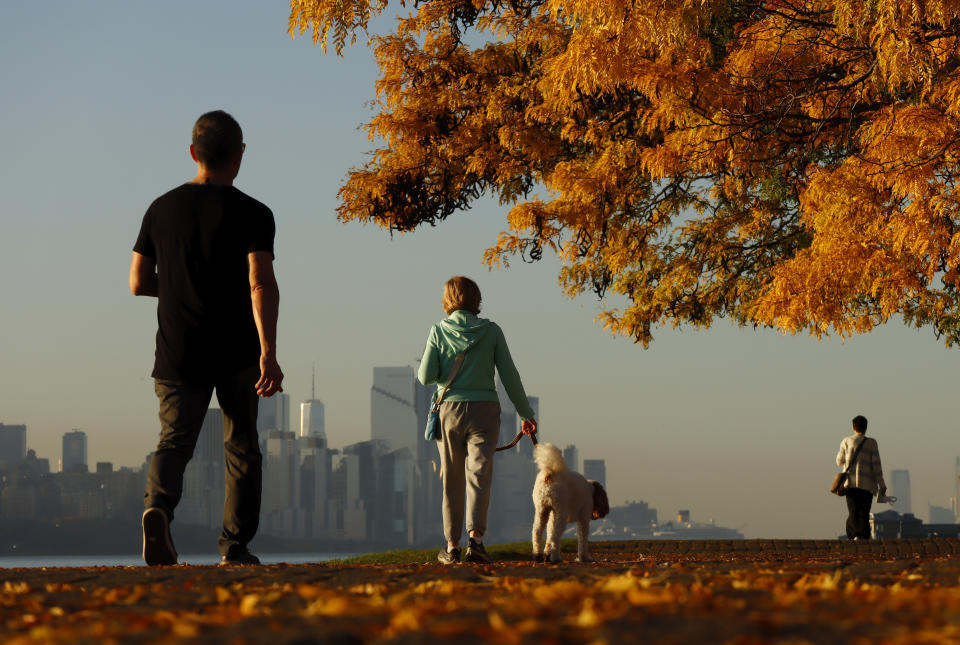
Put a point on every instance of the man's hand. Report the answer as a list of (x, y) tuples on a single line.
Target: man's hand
[(271, 377), (529, 427)]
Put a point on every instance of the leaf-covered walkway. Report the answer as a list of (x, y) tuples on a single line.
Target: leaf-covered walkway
[(751, 591)]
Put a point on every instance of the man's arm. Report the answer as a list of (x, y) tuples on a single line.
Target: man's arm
[(143, 276), (265, 296)]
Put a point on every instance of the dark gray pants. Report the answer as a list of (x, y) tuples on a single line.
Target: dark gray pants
[(182, 409), (859, 502)]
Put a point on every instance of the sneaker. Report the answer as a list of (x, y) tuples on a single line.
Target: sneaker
[(476, 554), (449, 557), (239, 557), (157, 544)]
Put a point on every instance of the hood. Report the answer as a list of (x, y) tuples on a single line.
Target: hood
[(462, 330)]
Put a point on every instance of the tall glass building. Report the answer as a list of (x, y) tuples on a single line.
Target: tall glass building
[(393, 408), (900, 488), (273, 413), (74, 455), (312, 422), (13, 444)]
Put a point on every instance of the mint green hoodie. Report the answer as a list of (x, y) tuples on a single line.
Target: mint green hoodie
[(486, 349)]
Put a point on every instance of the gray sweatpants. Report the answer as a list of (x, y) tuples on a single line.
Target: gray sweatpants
[(470, 431)]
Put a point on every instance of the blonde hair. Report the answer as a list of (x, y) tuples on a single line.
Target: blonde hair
[(461, 293)]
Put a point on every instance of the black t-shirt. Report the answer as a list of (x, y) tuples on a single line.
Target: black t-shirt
[(200, 235)]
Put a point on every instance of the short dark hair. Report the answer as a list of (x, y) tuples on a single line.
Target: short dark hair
[(860, 423), (217, 139)]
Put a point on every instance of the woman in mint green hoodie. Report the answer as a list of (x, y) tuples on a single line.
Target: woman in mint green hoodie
[(470, 412)]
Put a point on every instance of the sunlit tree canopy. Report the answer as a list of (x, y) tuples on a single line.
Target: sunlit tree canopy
[(786, 162)]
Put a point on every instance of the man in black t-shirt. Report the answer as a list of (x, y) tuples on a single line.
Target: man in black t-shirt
[(205, 251)]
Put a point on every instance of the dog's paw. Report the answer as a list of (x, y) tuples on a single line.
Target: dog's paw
[(554, 557), (538, 557), (584, 559)]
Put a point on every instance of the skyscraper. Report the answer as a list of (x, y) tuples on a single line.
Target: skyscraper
[(900, 488), (281, 484), (203, 490), (209, 446), (572, 456), (74, 455), (595, 470), (315, 464), (273, 413), (515, 475), (13, 444), (940, 515), (368, 500), (393, 410), (312, 420), (509, 422), (511, 502), (428, 493)]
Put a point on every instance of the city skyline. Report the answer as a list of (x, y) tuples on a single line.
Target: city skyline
[(278, 417), (384, 489), (737, 424), (937, 497), (270, 418)]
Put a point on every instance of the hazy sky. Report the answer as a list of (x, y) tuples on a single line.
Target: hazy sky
[(740, 426)]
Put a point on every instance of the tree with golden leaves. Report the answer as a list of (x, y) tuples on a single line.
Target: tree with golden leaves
[(791, 163)]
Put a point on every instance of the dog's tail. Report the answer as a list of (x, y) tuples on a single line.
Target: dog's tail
[(549, 458)]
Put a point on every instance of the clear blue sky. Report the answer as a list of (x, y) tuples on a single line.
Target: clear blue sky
[(98, 100)]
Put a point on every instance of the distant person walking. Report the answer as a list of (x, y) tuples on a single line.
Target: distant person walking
[(205, 251), (865, 480), (470, 412)]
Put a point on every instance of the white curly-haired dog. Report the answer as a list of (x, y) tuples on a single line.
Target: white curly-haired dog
[(561, 496)]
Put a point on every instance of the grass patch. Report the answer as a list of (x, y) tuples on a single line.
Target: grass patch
[(499, 552)]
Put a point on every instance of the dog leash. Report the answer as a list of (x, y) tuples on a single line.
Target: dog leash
[(516, 440)]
